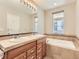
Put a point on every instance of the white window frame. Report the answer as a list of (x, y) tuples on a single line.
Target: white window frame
[(55, 20), (35, 27)]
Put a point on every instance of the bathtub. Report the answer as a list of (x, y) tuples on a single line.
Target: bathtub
[(61, 49)]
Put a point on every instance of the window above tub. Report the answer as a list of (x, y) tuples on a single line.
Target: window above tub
[(58, 22)]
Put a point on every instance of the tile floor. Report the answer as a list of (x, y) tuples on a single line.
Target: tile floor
[(48, 58)]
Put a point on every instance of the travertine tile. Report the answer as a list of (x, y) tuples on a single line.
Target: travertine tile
[(57, 57), (48, 57), (67, 54), (49, 51), (76, 54), (62, 53), (53, 50)]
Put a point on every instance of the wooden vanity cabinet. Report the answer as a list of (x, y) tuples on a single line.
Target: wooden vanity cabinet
[(21, 56), (33, 50), (32, 56), (44, 47), (41, 48), (23, 52), (16, 53)]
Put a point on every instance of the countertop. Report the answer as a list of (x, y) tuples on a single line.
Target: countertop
[(12, 43)]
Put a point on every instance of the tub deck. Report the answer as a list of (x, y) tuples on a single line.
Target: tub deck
[(61, 43), (61, 49)]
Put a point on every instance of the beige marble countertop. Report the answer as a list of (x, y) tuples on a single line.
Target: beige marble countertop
[(9, 44)]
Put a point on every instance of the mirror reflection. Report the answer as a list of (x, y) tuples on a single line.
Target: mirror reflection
[(15, 16)]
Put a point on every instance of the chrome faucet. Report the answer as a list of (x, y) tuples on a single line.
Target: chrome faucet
[(15, 36)]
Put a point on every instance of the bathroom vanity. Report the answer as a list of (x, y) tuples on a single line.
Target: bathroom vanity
[(30, 47)]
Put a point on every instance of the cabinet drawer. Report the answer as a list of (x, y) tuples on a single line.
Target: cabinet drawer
[(41, 40), (21, 56), (32, 56), (40, 45), (31, 51), (39, 51), (44, 49), (30, 45), (15, 52)]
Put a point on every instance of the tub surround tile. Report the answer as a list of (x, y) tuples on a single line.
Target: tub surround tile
[(62, 37), (76, 54), (67, 54), (61, 43), (77, 43), (48, 57), (62, 53), (57, 56), (68, 38)]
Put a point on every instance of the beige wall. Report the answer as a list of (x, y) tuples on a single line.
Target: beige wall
[(77, 18), (25, 20), (69, 25)]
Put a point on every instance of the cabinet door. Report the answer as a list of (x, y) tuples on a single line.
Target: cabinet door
[(41, 48), (44, 49), (32, 56), (21, 56), (39, 56)]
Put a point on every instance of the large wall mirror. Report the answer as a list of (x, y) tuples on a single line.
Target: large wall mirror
[(15, 17)]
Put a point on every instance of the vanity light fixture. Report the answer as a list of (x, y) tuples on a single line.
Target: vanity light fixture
[(29, 4)]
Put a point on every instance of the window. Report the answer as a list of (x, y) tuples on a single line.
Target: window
[(35, 24), (58, 23)]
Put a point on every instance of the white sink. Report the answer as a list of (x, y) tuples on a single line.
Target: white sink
[(14, 41)]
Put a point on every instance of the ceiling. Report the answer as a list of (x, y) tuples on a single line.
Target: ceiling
[(48, 4)]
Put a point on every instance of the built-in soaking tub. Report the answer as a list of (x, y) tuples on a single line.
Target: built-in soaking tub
[(61, 49)]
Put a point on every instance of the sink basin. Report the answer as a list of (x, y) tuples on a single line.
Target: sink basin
[(13, 40), (10, 42)]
